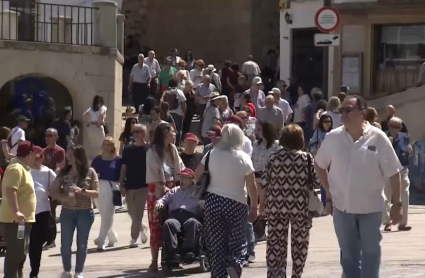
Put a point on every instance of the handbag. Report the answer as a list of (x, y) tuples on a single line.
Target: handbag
[(315, 206), (116, 196), (203, 183)]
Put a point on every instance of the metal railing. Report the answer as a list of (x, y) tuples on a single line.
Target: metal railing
[(26, 20)]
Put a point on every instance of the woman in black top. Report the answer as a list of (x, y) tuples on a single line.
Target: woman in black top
[(189, 93), (126, 137)]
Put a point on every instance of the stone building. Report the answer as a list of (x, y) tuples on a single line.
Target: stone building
[(213, 30)]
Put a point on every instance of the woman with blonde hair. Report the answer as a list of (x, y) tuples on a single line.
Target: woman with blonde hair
[(181, 79), (226, 112), (108, 167), (372, 117), (332, 110)]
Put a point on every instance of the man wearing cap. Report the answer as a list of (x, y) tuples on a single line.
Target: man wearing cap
[(257, 95), (214, 133), (215, 78), (282, 104), (211, 117), (18, 206), (17, 134), (63, 128), (183, 214), (189, 156)]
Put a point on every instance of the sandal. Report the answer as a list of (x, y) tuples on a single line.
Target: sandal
[(153, 268), (387, 228)]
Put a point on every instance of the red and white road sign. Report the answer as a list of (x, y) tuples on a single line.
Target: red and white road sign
[(327, 19)]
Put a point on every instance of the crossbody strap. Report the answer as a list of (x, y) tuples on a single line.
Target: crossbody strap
[(207, 161), (309, 178)]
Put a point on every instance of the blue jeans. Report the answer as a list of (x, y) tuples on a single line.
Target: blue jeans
[(82, 220), (359, 238), (178, 120), (250, 238)]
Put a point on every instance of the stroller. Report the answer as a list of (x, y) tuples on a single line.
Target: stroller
[(200, 252)]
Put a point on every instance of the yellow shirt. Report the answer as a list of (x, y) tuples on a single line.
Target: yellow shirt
[(18, 177)]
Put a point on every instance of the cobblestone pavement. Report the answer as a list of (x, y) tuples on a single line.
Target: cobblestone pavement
[(403, 254)]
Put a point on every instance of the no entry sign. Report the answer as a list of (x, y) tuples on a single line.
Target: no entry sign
[(327, 19)]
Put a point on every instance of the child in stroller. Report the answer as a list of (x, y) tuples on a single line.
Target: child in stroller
[(181, 226)]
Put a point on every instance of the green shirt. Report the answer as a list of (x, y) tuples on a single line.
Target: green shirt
[(165, 76)]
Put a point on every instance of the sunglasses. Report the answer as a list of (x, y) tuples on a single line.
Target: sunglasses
[(395, 126), (137, 131), (346, 110), (327, 122)]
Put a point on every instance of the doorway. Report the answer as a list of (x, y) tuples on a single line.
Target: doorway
[(309, 63)]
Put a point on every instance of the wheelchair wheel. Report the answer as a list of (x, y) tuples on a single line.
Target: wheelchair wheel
[(204, 263)]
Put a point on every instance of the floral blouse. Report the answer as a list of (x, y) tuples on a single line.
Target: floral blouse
[(260, 154), (286, 181)]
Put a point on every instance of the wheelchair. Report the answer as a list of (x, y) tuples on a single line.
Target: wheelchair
[(200, 251)]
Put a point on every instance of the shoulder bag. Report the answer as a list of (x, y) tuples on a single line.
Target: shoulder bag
[(116, 196), (315, 206), (203, 183)]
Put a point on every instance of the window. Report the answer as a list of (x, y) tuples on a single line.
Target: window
[(400, 52), (352, 70)]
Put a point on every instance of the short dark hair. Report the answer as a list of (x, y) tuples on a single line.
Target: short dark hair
[(235, 67), (227, 63), (361, 103), (292, 137), (172, 83), (317, 95)]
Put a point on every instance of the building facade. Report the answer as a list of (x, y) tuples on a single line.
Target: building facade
[(213, 30), (46, 63), (299, 57)]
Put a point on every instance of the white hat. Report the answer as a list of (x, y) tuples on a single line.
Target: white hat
[(211, 68), (276, 91), (257, 81), (215, 95)]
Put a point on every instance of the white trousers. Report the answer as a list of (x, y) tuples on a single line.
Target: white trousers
[(95, 137), (405, 185), (106, 211)]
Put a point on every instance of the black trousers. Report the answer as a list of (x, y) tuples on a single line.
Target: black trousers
[(140, 93), (38, 237), (186, 222), (154, 87)]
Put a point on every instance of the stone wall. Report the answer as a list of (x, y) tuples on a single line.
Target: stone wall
[(212, 30)]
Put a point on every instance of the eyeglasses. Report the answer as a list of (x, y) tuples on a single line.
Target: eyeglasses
[(347, 110), (327, 122)]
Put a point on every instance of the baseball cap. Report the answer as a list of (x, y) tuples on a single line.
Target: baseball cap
[(190, 137), (38, 151), (276, 91), (22, 118), (24, 149), (257, 80), (214, 131), (187, 172)]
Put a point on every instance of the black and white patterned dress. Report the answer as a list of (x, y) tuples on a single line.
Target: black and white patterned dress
[(285, 180)]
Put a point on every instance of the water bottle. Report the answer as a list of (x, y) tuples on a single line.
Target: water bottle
[(21, 230)]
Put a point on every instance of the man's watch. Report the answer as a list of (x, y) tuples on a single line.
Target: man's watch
[(398, 204)]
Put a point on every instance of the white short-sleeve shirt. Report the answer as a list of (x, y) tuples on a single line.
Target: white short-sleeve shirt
[(358, 170), (94, 115), (182, 98), (43, 179), (286, 109), (228, 170), (17, 134)]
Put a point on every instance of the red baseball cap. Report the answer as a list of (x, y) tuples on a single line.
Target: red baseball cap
[(214, 131), (234, 120), (38, 151), (25, 148), (187, 172), (190, 137)]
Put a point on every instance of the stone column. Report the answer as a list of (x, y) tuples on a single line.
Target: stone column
[(9, 25), (105, 23), (120, 33), (61, 29)]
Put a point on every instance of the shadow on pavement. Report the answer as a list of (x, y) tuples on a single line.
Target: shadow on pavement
[(142, 273), (94, 250)]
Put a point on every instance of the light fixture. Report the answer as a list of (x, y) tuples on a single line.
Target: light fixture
[(288, 18)]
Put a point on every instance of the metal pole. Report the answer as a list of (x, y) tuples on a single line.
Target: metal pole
[(327, 3)]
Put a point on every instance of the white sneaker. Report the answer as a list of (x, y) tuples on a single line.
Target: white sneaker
[(251, 259), (101, 248), (78, 275), (111, 244), (66, 274), (143, 236), (134, 243)]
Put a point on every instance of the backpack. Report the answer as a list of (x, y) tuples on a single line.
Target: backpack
[(172, 97), (9, 140)]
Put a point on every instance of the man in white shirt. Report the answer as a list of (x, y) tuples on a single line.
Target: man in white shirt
[(353, 163), (140, 82), (155, 69), (250, 69), (17, 134), (180, 111), (282, 104)]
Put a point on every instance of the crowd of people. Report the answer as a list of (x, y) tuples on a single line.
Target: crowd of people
[(264, 154)]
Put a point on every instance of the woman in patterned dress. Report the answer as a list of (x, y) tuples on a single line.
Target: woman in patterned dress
[(226, 210), (284, 200), (162, 170)]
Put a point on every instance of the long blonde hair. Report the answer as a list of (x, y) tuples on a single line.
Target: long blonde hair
[(334, 104), (112, 141)]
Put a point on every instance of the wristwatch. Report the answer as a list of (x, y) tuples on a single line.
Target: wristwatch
[(398, 204)]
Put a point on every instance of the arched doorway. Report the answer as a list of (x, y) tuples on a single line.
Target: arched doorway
[(38, 97)]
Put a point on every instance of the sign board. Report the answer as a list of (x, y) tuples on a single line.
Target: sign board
[(327, 40), (327, 19)]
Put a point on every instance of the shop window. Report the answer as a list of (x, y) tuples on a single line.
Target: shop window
[(399, 54)]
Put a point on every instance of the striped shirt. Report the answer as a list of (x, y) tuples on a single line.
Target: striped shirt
[(64, 182)]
